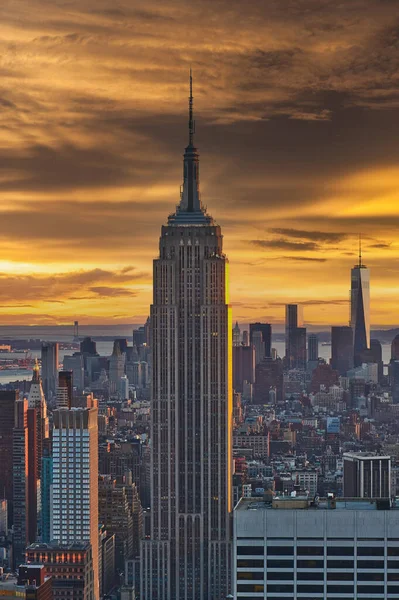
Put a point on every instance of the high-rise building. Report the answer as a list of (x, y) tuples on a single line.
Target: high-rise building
[(37, 401), (71, 567), (188, 555), (298, 348), (259, 345), (8, 400), (46, 482), (268, 376), (88, 346), (367, 475), (75, 364), (266, 330), (75, 480), (243, 366), (50, 368), (342, 349), (3, 516), (313, 348), (293, 320), (65, 389), (395, 348), (20, 480), (298, 547), (360, 309), (245, 338), (236, 335), (116, 367)]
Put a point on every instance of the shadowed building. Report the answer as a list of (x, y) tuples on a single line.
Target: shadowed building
[(342, 349)]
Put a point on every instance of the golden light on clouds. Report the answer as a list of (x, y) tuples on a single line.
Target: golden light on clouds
[(296, 107)]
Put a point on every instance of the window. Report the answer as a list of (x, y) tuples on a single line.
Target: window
[(393, 589), (310, 551), (280, 550), (366, 589), (250, 587), (283, 575), (393, 551), (370, 564), (340, 551), (279, 563), (341, 589), (393, 576), (280, 587), (306, 576), (393, 564), (310, 564), (370, 576), (340, 564), (250, 550), (370, 551), (340, 576), (308, 588), (249, 575), (249, 563)]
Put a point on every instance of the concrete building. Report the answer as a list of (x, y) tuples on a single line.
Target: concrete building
[(367, 475), (71, 568), (75, 363), (337, 548), (65, 389), (116, 368), (188, 555), (75, 481)]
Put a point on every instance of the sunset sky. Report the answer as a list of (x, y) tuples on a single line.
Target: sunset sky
[(296, 106)]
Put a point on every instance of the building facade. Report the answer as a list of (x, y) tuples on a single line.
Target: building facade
[(50, 362), (335, 549), (367, 475), (188, 555), (75, 481)]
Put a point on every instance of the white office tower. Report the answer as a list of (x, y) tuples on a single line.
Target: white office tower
[(332, 549), (188, 555), (74, 495)]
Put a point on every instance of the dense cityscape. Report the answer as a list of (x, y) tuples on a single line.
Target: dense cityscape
[(194, 461)]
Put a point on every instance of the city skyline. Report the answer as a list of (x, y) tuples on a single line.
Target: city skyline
[(90, 153)]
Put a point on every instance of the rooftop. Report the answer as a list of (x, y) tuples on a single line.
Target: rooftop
[(306, 502)]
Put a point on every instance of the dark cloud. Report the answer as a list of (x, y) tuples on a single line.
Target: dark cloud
[(380, 245), (304, 259), (282, 244), (317, 236), (112, 292)]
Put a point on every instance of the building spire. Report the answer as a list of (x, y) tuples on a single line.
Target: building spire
[(360, 249), (191, 122)]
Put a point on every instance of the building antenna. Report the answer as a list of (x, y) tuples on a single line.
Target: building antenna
[(360, 249), (191, 123)]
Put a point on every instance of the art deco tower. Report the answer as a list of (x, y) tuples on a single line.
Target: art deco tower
[(360, 308), (188, 556)]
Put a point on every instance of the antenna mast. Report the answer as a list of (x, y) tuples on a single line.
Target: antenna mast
[(191, 124)]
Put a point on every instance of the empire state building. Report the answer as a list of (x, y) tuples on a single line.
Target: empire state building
[(188, 554)]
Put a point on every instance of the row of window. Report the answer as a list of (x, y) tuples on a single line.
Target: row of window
[(317, 550), (316, 589), (315, 576), (253, 563)]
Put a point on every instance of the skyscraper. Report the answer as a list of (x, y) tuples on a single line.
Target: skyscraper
[(188, 556), (293, 320), (236, 335), (360, 308), (49, 368), (20, 480), (8, 400), (342, 349), (65, 389), (74, 516), (37, 401), (266, 330), (313, 348)]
